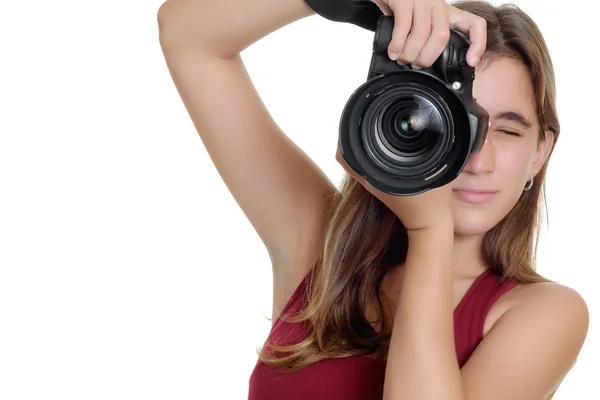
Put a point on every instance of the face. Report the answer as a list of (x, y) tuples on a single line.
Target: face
[(494, 178)]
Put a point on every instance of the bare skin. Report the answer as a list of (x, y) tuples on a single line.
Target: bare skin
[(500, 85), (284, 194)]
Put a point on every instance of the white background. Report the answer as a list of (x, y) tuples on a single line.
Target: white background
[(126, 269)]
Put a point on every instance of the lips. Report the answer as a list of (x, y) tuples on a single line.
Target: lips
[(474, 196)]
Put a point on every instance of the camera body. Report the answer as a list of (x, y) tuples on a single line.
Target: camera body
[(407, 131)]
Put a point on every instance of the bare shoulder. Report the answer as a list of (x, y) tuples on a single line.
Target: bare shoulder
[(558, 301), (538, 330), (550, 295)]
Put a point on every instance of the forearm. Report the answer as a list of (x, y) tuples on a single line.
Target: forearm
[(422, 360), (224, 28)]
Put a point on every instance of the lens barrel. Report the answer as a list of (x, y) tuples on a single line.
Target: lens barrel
[(405, 132)]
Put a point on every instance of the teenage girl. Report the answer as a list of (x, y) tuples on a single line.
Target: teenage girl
[(433, 296)]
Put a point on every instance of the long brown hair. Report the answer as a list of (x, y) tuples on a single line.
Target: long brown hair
[(365, 240)]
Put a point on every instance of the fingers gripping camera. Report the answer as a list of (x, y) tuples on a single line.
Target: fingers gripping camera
[(408, 131)]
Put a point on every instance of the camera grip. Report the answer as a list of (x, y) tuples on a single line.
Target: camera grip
[(362, 13)]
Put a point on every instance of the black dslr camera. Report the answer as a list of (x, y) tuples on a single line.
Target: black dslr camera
[(408, 131)]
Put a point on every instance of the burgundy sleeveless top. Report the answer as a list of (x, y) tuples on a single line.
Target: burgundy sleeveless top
[(360, 377)]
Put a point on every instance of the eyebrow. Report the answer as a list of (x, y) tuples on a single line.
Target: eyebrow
[(514, 117)]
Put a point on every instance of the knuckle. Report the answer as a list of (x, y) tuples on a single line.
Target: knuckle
[(420, 35), (481, 22), (402, 24), (442, 35)]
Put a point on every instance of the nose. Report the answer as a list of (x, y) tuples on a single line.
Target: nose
[(482, 162)]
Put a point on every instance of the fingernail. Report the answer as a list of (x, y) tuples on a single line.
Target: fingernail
[(393, 56)]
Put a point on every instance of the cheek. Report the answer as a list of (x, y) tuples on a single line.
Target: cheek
[(513, 169), (512, 161), (514, 164)]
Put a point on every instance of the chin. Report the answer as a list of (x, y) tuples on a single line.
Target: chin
[(469, 230), (472, 222)]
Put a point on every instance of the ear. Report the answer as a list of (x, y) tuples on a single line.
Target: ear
[(543, 151)]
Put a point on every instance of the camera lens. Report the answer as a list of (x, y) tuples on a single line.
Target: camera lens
[(411, 124), (407, 132)]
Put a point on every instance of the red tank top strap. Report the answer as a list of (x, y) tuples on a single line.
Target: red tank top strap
[(471, 313)]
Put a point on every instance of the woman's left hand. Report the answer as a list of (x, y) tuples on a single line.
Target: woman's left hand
[(424, 211)]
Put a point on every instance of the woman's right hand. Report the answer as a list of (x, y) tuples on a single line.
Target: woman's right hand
[(422, 30)]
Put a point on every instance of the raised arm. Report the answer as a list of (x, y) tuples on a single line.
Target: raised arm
[(282, 192)]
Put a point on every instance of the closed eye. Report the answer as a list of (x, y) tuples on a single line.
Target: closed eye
[(511, 133)]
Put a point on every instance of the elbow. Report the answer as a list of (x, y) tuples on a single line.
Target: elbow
[(180, 23), (167, 17)]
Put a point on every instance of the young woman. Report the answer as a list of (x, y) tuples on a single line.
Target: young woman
[(358, 313)]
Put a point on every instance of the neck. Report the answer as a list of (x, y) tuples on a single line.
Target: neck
[(467, 262)]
